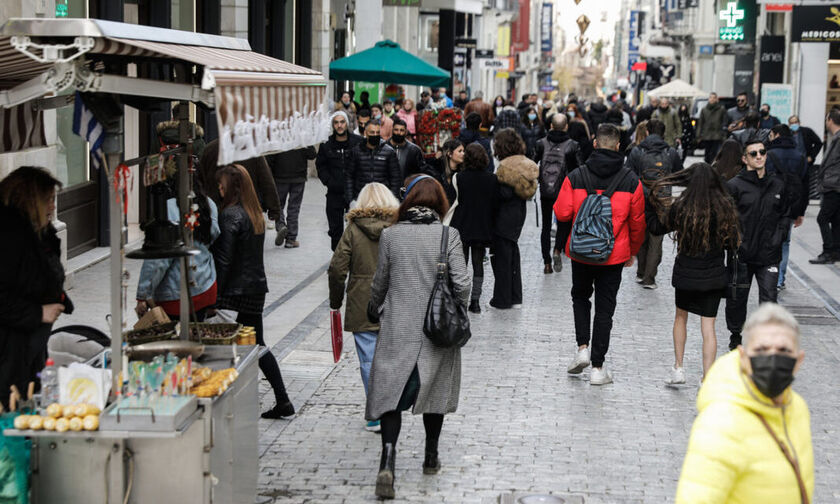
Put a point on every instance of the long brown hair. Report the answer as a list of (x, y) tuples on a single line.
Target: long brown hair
[(728, 161), (703, 216), (426, 193), (29, 190), (239, 190)]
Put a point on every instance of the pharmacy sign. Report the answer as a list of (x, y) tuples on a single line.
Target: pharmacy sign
[(733, 18)]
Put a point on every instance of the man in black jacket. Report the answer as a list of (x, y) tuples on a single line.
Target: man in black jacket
[(290, 171), (807, 142), (763, 208), (783, 160), (651, 160), (409, 155), (334, 157), (373, 161), (828, 184)]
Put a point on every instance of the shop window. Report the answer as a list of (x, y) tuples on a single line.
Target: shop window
[(429, 32)]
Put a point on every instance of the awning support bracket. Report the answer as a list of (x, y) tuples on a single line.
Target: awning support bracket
[(53, 53)]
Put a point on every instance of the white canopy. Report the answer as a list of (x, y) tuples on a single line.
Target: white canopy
[(678, 88)]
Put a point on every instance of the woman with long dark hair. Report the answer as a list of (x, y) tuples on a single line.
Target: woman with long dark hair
[(448, 162), (498, 105), (728, 161), (704, 221), (240, 271), (688, 135)]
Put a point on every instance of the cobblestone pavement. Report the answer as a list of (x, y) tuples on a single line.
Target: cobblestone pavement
[(523, 424)]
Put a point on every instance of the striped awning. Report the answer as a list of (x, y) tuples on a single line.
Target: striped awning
[(21, 127)]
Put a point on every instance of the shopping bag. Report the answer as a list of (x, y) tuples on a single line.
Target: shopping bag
[(337, 336)]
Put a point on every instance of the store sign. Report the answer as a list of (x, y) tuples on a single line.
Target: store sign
[(402, 3), (779, 97), (733, 18), (546, 27), (771, 66), (495, 64), (815, 24), (633, 41), (61, 9), (706, 50), (503, 41), (737, 20), (459, 59), (483, 53)]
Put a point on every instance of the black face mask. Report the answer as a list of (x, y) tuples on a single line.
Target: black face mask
[(772, 374), (765, 113), (398, 139), (373, 140)]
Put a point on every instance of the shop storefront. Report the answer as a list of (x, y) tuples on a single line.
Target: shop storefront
[(816, 29)]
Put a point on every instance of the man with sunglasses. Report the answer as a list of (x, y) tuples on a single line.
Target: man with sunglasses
[(763, 209), (736, 114)]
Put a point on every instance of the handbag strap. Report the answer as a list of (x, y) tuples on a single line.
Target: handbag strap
[(803, 492), (442, 259)]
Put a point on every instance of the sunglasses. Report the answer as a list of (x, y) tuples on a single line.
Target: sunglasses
[(756, 153)]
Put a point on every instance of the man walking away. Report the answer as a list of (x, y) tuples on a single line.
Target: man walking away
[(767, 120), (784, 161), (333, 160), (650, 161), (807, 142), (508, 118), (673, 126), (751, 130), (290, 170), (484, 109), (828, 184), (558, 155), (409, 155), (710, 128), (763, 208), (471, 134), (603, 171), (373, 161), (646, 112)]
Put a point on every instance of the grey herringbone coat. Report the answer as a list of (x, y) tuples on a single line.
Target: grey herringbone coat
[(408, 254)]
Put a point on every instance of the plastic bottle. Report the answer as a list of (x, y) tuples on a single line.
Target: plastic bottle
[(49, 383)]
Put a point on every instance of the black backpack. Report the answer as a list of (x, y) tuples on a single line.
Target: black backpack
[(553, 167), (655, 164)]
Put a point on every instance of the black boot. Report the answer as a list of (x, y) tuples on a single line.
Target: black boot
[(474, 306), (734, 341), (431, 464), (385, 478), (280, 410)]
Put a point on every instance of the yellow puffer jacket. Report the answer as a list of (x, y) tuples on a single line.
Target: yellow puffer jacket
[(731, 457)]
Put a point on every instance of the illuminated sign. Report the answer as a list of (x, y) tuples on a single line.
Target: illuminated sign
[(733, 29), (61, 8)]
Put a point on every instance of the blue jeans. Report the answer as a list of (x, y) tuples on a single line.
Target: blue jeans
[(785, 256), (365, 345)]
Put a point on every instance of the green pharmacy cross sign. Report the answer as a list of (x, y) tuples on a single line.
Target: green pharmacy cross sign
[(733, 29)]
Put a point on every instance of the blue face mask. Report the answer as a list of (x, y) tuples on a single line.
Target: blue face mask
[(794, 127), (532, 116)]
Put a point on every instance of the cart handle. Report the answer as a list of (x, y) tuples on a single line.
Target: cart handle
[(140, 408)]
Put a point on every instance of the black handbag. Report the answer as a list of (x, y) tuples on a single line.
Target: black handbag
[(447, 324)]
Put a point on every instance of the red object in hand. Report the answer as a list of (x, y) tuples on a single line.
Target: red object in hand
[(337, 335), (639, 65)]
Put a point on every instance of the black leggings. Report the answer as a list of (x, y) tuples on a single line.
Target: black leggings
[(477, 252), (268, 363), (391, 424)]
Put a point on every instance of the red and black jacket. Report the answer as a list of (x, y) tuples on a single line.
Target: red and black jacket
[(628, 204)]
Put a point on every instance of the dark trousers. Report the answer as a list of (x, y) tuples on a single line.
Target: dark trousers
[(604, 281), (477, 252), (736, 306), (335, 217), (507, 290), (294, 193), (711, 149), (829, 221), (391, 424), (268, 363), (545, 235), (650, 255)]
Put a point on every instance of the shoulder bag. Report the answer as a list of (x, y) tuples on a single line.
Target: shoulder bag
[(803, 492), (446, 324), (451, 213)]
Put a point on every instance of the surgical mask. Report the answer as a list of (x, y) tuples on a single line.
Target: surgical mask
[(398, 138), (772, 374), (571, 114), (346, 102), (498, 103), (532, 116), (794, 127), (377, 116), (373, 140)]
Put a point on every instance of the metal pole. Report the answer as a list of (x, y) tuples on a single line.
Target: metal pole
[(184, 206), (115, 230)]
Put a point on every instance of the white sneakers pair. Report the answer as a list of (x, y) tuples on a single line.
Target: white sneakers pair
[(677, 376), (598, 376)]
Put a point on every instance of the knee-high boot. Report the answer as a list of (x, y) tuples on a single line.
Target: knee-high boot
[(385, 478), (475, 296)]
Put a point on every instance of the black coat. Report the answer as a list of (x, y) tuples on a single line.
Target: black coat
[(333, 159), (783, 160), (290, 167), (410, 159), (577, 132), (469, 136), (372, 165), (762, 205), (531, 134), (238, 254), (31, 275), (574, 157), (473, 217), (653, 143)]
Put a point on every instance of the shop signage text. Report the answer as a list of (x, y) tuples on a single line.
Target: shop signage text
[(732, 16), (546, 27), (815, 24)]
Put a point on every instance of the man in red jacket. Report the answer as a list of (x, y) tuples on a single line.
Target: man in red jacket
[(628, 216)]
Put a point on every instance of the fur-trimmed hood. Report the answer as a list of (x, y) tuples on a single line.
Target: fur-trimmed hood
[(372, 221), (520, 173)]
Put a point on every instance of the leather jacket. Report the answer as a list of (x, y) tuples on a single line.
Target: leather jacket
[(238, 254), (410, 158)]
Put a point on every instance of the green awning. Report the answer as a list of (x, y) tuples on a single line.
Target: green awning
[(386, 62)]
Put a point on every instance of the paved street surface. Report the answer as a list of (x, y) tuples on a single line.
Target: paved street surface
[(523, 424)]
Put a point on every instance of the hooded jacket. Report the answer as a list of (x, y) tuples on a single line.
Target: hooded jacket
[(763, 206), (712, 122), (333, 158), (628, 204), (731, 457), (597, 115), (371, 165), (783, 160), (517, 183), (468, 136), (357, 253), (653, 143)]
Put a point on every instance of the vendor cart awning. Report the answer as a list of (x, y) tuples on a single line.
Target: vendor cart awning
[(678, 88), (387, 62), (264, 104)]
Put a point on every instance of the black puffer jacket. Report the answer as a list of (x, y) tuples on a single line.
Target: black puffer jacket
[(531, 134), (372, 165), (31, 275), (410, 158), (238, 254), (332, 161), (762, 205)]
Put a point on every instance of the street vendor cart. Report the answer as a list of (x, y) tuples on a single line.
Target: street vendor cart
[(148, 447)]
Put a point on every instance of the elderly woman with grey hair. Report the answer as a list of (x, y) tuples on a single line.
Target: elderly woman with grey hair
[(408, 370)]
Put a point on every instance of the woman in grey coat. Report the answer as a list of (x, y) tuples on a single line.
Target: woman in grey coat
[(407, 368)]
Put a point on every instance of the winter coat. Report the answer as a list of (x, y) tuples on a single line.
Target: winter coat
[(350, 110), (517, 183), (410, 119), (577, 132), (736, 115), (653, 143), (531, 134), (291, 167), (768, 122), (628, 204), (469, 136), (437, 168), (238, 253), (332, 161), (507, 118), (371, 165), (712, 123), (673, 126), (597, 115), (473, 217), (556, 139), (402, 285), (484, 109), (688, 136), (357, 253), (385, 128), (160, 279), (828, 176), (807, 142), (31, 275), (762, 212), (410, 159), (786, 162), (731, 457)]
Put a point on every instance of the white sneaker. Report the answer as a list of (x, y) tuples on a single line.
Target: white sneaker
[(517, 306), (580, 362), (639, 279), (677, 376), (650, 286), (269, 224), (600, 376)]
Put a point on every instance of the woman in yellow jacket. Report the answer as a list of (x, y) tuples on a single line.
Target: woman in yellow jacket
[(751, 441)]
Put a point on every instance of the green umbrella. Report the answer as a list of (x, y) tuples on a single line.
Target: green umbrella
[(386, 62)]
